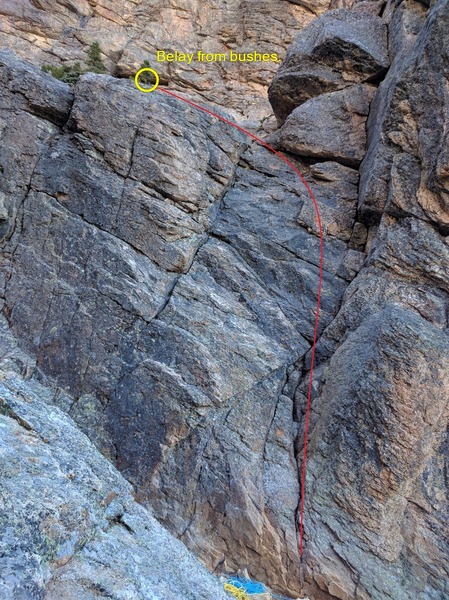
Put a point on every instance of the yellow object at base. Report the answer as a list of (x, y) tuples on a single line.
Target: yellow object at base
[(236, 592)]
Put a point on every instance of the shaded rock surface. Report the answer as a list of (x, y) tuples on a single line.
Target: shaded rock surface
[(70, 527), (161, 272)]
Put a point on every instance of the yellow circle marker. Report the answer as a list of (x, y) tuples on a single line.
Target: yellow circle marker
[(139, 73)]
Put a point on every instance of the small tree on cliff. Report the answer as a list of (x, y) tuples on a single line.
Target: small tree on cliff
[(146, 78), (94, 62)]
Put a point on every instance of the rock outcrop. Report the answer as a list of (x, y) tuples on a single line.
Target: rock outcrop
[(405, 172), (131, 31), (160, 274), (377, 493), (172, 296), (338, 50), (70, 527)]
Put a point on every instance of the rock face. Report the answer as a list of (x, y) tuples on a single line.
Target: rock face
[(131, 31), (165, 279), (406, 172), (330, 126), (160, 274), (339, 49), (70, 527), (377, 499), (173, 305), (378, 451)]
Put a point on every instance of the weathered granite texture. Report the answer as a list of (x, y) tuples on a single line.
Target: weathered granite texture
[(161, 273), (70, 528), (131, 31), (165, 276)]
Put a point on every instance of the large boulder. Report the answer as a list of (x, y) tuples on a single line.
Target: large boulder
[(339, 48), (331, 126)]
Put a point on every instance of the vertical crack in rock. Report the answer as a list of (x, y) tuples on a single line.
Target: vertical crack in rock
[(400, 285), (163, 279)]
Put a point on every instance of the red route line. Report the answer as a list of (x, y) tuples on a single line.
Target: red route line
[(320, 284)]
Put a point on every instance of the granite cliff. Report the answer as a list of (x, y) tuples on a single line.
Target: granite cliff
[(158, 287)]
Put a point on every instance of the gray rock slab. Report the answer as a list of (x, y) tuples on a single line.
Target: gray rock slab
[(70, 527), (330, 126)]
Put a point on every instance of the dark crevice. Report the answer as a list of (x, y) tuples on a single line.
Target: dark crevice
[(119, 520), (7, 411)]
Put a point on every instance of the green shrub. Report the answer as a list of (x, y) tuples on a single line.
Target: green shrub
[(68, 74), (94, 62), (71, 73), (146, 79)]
